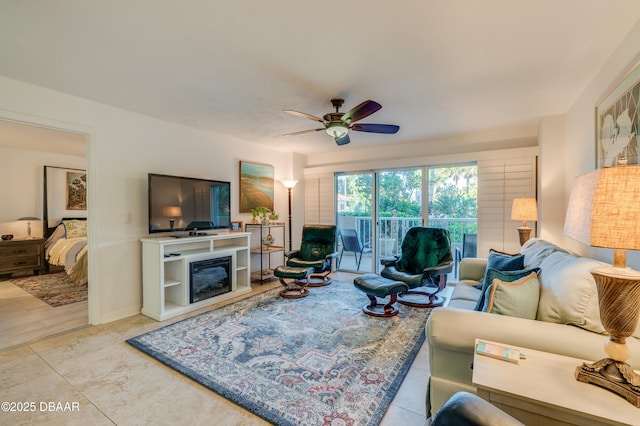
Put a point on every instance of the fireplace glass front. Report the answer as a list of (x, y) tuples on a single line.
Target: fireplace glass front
[(209, 278)]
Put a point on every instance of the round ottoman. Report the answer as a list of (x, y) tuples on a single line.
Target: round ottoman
[(294, 289), (375, 286)]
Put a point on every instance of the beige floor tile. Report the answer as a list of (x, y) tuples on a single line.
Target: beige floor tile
[(114, 383)]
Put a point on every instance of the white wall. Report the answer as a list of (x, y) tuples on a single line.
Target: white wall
[(21, 194), (579, 146), (122, 148), (551, 207)]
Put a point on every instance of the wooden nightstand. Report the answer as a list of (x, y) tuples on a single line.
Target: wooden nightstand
[(22, 255)]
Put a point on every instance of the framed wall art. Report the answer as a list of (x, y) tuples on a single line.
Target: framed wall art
[(76, 190), (256, 186), (617, 117), (64, 193), (236, 226)]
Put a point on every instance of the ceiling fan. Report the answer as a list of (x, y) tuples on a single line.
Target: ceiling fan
[(338, 124)]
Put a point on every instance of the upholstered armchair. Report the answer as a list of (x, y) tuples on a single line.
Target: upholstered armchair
[(424, 262), (317, 251)]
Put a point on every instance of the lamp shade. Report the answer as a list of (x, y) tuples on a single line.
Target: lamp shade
[(289, 183), (524, 209), (604, 208), (29, 218), (172, 211)]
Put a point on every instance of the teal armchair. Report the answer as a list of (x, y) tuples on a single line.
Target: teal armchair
[(423, 265), (317, 251)]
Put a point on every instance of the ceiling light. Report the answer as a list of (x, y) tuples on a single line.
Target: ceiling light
[(337, 129)]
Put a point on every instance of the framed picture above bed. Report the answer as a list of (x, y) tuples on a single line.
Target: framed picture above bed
[(64, 194)]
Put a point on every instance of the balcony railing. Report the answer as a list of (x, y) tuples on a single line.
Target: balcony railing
[(393, 230)]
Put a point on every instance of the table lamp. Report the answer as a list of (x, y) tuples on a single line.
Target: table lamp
[(172, 212), (524, 209), (28, 219), (604, 211)]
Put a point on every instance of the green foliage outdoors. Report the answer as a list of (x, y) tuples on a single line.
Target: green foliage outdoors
[(453, 193)]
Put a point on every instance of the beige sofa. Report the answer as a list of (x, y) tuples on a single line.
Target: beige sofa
[(567, 321)]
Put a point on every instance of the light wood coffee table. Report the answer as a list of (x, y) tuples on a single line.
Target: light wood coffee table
[(542, 390)]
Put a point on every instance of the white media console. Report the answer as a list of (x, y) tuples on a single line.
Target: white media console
[(166, 271)]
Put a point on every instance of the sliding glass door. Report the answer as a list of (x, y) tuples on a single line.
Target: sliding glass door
[(399, 208), (354, 213), (374, 210)]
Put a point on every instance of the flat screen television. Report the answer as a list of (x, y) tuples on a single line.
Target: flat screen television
[(188, 204)]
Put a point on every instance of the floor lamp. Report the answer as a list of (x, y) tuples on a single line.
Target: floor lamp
[(603, 211), (289, 184)]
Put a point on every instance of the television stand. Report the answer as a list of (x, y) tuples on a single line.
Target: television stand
[(165, 271)]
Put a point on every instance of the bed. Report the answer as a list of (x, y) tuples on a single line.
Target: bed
[(66, 247)]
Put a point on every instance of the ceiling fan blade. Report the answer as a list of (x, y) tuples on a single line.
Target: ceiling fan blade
[(302, 132), (376, 128), (343, 140), (304, 115), (363, 110)]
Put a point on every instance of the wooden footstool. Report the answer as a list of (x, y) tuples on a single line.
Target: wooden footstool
[(294, 289), (375, 286)]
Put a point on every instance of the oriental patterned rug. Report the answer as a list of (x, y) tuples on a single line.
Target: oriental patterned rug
[(54, 289), (312, 361)]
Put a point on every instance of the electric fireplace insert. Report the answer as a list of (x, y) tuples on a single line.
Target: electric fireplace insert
[(209, 278)]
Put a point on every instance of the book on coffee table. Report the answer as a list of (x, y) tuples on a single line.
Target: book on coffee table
[(502, 352)]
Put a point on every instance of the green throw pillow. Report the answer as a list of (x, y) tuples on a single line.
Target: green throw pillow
[(516, 298), (75, 228), (507, 276)]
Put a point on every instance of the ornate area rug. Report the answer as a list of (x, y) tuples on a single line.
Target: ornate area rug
[(53, 289), (312, 361)]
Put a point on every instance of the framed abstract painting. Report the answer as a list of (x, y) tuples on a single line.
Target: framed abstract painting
[(617, 117), (256, 186)]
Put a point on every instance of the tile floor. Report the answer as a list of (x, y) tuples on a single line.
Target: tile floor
[(91, 376)]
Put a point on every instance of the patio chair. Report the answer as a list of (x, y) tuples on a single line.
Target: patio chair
[(351, 243), (469, 249)]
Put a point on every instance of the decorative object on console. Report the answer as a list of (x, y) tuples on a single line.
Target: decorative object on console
[(172, 212), (617, 128), (262, 212), (236, 226), (289, 184), (603, 212), (29, 219), (524, 209), (256, 186)]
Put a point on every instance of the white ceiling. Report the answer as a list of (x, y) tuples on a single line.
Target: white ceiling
[(438, 67)]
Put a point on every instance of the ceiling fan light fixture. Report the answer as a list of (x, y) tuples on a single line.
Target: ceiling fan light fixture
[(337, 129)]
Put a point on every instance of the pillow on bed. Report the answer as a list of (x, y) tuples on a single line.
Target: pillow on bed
[(75, 228), (57, 234)]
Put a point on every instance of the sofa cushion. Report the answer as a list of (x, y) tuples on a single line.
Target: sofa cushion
[(506, 276), (536, 250), (518, 298), (501, 262), (568, 292)]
